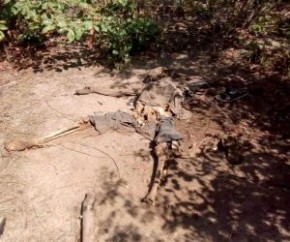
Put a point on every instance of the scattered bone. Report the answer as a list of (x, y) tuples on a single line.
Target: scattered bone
[(158, 99), (155, 109), (159, 102), (20, 144), (166, 143), (161, 153), (88, 219), (152, 76), (106, 92)]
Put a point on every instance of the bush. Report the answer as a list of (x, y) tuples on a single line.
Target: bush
[(115, 26), (3, 27), (122, 31)]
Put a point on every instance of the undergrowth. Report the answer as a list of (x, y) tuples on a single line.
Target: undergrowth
[(119, 29), (114, 26)]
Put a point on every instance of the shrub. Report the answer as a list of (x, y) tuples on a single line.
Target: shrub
[(3, 27), (115, 26)]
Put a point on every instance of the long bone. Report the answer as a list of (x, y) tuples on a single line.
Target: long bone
[(20, 144)]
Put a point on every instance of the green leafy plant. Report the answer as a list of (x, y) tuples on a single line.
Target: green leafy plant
[(123, 32), (3, 28), (264, 25), (124, 37), (114, 26)]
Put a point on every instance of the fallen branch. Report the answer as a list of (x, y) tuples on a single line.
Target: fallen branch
[(2, 225), (88, 218)]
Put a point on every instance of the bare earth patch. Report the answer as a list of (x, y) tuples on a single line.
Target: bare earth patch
[(203, 198)]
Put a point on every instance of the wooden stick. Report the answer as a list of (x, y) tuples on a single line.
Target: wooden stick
[(2, 225), (88, 218)]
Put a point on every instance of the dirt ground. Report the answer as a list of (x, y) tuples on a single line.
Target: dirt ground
[(203, 198)]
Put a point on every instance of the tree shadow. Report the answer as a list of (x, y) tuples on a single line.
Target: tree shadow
[(207, 197), (56, 59), (219, 201)]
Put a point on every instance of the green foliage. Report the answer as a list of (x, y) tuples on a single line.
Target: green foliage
[(3, 27), (122, 31), (41, 18), (265, 24), (116, 25), (124, 37)]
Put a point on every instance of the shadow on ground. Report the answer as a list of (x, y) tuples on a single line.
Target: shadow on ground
[(201, 202), (206, 198)]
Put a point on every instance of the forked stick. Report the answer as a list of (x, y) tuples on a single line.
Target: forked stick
[(19, 144)]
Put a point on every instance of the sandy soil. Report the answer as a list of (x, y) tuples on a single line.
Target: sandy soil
[(203, 198)]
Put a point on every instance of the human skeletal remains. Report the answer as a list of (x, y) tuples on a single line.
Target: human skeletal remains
[(156, 107)]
